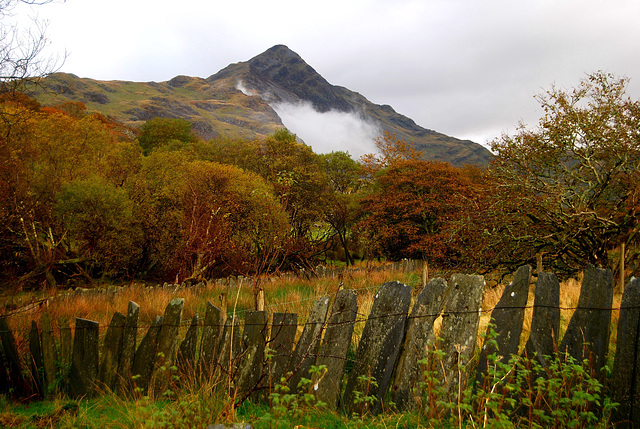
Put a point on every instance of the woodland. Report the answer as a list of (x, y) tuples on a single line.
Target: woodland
[(85, 198)]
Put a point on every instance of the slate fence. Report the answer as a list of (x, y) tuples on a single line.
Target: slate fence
[(254, 353)]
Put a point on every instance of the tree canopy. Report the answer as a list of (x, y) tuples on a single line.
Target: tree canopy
[(412, 209), (569, 188), (82, 198)]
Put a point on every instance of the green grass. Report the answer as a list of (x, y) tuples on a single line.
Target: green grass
[(105, 411)]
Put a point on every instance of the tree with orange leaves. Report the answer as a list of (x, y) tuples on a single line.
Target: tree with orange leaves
[(412, 209), (389, 151)]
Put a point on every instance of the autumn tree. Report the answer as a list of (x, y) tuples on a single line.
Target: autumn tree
[(389, 150), (568, 188), (203, 219), (294, 170), (43, 150), (101, 231), (157, 132), (340, 210), (411, 211)]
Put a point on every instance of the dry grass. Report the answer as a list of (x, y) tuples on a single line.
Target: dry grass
[(283, 294)]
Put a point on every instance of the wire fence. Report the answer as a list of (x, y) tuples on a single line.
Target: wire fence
[(361, 316)]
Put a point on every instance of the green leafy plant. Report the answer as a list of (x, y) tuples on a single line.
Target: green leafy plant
[(518, 392), (364, 400), (287, 406)]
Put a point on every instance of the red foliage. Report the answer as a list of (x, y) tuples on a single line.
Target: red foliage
[(414, 210)]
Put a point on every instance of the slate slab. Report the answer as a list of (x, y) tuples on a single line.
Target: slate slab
[(187, 350), (251, 365), (625, 383), (211, 337), (84, 359), (129, 342), (111, 351), (379, 346), (66, 345), (505, 326), (36, 362), (459, 330), (283, 333), (145, 358), (168, 335), (545, 323), (14, 368), (587, 335), (231, 344), (306, 350), (49, 355), (335, 347), (419, 336)]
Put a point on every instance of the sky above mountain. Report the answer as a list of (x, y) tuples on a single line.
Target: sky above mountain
[(466, 68)]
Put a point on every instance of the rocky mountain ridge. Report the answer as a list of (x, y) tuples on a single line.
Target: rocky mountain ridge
[(237, 102)]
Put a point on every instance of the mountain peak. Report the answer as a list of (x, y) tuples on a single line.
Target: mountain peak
[(279, 67), (279, 51)]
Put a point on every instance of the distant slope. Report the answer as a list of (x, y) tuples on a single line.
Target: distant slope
[(213, 110), (216, 106)]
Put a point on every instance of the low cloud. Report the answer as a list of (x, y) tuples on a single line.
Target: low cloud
[(240, 87), (329, 131)]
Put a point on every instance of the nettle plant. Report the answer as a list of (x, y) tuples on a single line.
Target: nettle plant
[(287, 406), (520, 392)]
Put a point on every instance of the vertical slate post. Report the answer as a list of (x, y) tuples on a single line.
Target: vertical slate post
[(625, 383), (168, 342), (145, 357), (14, 369), (283, 333), (210, 343), (168, 335), (250, 367), (459, 330), (306, 350), (84, 360), (335, 347), (231, 343), (187, 349), (49, 354), (66, 346), (588, 331), (419, 335), (129, 339), (506, 321), (111, 351), (545, 324), (379, 345), (36, 362)]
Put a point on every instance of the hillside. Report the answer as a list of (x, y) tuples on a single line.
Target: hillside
[(217, 107)]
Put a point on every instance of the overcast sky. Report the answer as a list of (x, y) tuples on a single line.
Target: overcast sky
[(466, 68)]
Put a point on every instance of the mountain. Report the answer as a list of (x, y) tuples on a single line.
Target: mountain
[(237, 102)]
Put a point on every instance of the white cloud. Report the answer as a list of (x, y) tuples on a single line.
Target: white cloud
[(465, 68), (329, 131), (243, 89)]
